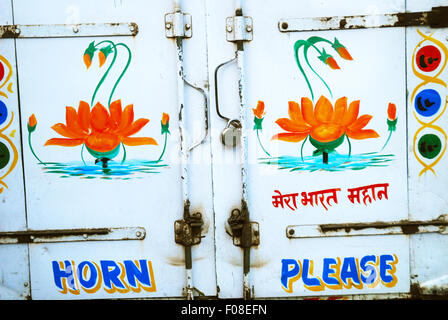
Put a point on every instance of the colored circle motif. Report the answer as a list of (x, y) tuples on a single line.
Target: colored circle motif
[(4, 155), (428, 58), (3, 112), (427, 102), (429, 146), (2, 71)]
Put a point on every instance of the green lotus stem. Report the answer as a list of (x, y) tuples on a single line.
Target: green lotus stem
[(123, 72), (164, 148), (258, 136), (107, 71), (82, 157), (124, 153), (319, 39), (32, 150), (301, 149), (349, 146), (312, 42), (297, 45), (305, 51), (387, 141)]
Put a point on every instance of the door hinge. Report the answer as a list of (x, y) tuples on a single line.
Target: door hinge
[(245, 233), (72, 235), (239, 28), (68, 30), (178, 25), (404, 227), (436, 18)]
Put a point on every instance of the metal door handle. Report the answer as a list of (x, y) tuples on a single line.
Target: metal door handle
[(206, 113), (216, 87)]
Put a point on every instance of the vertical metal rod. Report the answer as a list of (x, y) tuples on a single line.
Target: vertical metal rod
[(243, 143), (183, 151)]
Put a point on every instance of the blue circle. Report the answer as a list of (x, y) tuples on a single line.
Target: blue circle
[(427, 102), (3, 112)]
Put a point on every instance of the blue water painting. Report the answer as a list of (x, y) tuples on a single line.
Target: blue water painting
[(336, 162), (130, 169)]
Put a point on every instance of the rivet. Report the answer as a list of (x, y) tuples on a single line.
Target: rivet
[(168, 25), (229, 28), (291, 232), (249, 29), (138, 234), (284, 25), (187, 26), (75, 29)]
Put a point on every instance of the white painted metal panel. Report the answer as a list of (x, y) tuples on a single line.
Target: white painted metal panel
[(14, 266), (148, 194), (12, 200), (375, 77), (427, 162)]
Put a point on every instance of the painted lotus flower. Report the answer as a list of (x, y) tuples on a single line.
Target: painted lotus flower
[(258, 115), (325, 126), (392, 117), (32, 123), (100, 130)]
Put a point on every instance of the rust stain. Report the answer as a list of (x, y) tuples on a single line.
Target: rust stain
[(8, 32), (179, 261), (407, 227), (256, 261)]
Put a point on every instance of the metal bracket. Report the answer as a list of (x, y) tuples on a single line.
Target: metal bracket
[(436, 18), (178, 24), (245, 233), (187, 231), (68, 30), (72, 235), (406, 227), (239, 28)]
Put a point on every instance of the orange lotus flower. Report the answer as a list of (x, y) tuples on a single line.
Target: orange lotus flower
[(87, 60), (392, 111), (99, 129), (330, 61), (259, 110), (324, 124), (32, 123), (165, 118)]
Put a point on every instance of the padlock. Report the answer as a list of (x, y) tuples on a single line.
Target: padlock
[(231, 135)]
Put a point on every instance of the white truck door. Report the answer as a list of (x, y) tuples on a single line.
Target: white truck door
[(319, 105), (107, 190)]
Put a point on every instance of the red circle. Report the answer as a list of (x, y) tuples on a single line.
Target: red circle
[(428, 58), (2, 71)]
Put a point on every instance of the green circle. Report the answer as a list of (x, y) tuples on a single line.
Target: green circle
[(4, 155), (429, 146)]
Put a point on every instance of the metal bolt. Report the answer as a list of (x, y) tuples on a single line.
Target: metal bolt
[(85, 235), (32, 237), (284, 25), (131, 28), (229, 28), (25, 284), (248, 28), (138, 234), (291, 232), (187, 26), (17, 30), (168, 25), (75, 29)]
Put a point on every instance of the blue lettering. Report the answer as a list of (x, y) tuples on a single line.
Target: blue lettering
[(349, 270)]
